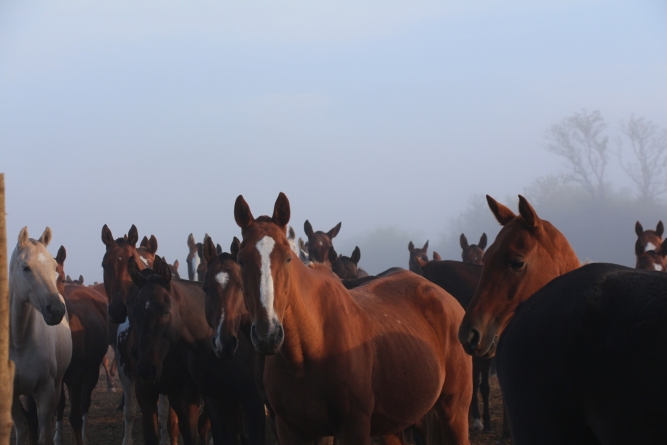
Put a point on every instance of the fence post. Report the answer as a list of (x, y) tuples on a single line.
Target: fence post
[(6, 365)]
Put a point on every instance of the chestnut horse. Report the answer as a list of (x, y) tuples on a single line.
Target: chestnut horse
[(473, 254), (649, 239), (87, 310), (651, 259), (319, 243), (368, 362)]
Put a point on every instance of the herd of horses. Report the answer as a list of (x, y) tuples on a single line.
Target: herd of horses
[(294, 331)]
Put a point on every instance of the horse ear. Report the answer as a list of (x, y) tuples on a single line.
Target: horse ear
[(242, 213), (80, 279), (137, 277), (425, 248), (144, 242), (291, 234), (218, 249), (308, 229), (175, 265), (638, 228), (333, 232), (464, 242), (333, 256), (68, 279), (209, 250), (61, 255), (436, 256), (46, 236), (235, 247), (528, 213), (281, 210), (411, 246), (161, 267), (639, 248), (663, 250), (482, 242), (133, 235), (301, 244), (107, 237), (356, 255), (659, 229), (151, 245), (503, 214), (191, 241)]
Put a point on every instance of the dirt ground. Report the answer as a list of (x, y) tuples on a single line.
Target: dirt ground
[(105, 423)]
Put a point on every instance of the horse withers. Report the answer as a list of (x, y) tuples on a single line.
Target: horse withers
[(356, 364), (40, 337)]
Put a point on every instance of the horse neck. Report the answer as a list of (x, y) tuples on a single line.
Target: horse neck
[(308, 306), (193, 326), (566, 259), (23, 315)]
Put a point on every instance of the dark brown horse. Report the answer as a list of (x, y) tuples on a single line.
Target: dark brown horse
[(349, 364), (415, 253), (174, 269), (319, 243), (649, 239), (347, 268), (87, 312), (473, 254), (651, 259), (169, 317)]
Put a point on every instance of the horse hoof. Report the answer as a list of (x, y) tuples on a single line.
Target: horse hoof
[(477, 425)]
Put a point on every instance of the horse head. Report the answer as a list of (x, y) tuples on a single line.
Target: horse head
[(225, 309), (33, 276), (649, 239), (345, 267), (117, 280), (527, 253), (417, 253), (319, 243), (473, 254), (651, 259)]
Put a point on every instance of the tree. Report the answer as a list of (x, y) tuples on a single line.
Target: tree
[(580, 141), (649, 146)]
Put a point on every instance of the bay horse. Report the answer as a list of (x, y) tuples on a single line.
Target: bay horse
[(40, 337), (346, 268), (651, 259), (368, 362), (581, 360), (650, 239), (174, 269), (416, 252), (319, 242), (87, 310), (473, 253)]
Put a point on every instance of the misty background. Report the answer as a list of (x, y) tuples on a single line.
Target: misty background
[(394, 117)]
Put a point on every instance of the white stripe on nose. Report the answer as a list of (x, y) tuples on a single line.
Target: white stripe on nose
[(266, 295), (218, 333)]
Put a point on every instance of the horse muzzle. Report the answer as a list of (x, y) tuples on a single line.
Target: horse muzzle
[(475, 343), (53, 313), (225, 349), (270, 343)]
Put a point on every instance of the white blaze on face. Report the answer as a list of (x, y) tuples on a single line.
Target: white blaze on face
[(649, 246), (657, 267), (144, 260), (195, 264), (265, 247), (218, 333), (222, 278)]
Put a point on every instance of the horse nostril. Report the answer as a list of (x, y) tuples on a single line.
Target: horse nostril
[(474, 338)]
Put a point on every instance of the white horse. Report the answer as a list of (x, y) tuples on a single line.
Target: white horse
[(40, 336)]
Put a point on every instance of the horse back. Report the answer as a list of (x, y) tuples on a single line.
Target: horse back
[(458, 278)]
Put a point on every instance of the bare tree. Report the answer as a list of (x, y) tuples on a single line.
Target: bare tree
[(649, 145), (580, 141)]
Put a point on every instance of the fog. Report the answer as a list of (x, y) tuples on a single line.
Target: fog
[(392, 117)]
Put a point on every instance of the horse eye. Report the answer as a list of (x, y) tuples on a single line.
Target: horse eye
[(517, 264), (240, 263), (289, 260), (26, 269)]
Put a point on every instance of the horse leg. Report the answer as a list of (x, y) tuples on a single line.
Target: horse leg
[(474, 403), (20, 420), (450, 417), (60, 410), (393, 439), (163, 419), (506, 435), (254, 416), (148, 403), (485, 390), (107, 373), (47, 398), (89, 381), (130, 406), (186, 407), (75, 414), (33, 423), (204, 426)]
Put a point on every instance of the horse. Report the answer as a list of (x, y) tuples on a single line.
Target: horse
[(87, 310), (650, 239), (40, 337), (580, 361), (194, 259), (319, 242), (651, 259), (415, 253), (473, 254), (173, 268), (69, 280), (303, 251), (346, 268), (117, 286), (527, 253), (368, 362), (291, 238)]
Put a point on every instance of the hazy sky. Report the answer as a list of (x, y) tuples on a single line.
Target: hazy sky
[(371, 113)]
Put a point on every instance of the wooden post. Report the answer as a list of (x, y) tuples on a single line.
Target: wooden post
[(6, 365)]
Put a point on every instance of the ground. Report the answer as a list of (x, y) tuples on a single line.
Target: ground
[(105, 423)]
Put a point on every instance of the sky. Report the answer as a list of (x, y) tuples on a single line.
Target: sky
[(373, 113)]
